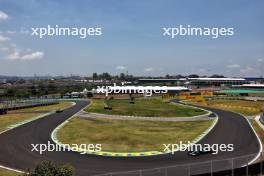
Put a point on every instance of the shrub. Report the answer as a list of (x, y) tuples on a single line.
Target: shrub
[(47, 168)]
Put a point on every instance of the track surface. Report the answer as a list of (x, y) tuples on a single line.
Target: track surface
[(15, 148)]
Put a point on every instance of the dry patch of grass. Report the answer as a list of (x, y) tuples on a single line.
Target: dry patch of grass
[(61, 105), (17, 116), (248, 108), (130, 136), (4, 172), (144, 107)]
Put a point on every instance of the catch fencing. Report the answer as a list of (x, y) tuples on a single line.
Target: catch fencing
[(22, 104), (237, 166)]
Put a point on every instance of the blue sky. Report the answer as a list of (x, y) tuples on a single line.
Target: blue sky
[(132, 37)]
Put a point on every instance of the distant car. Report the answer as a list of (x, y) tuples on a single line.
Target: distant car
[(108, 107), (199, 152), (59, 110)]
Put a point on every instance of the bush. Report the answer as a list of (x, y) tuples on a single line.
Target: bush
[(47, 168)]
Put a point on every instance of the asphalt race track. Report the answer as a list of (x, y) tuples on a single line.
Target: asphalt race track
[(15, 148)]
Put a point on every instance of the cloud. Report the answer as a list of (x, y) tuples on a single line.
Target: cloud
[(23, 30), (13, 45), (120, 67), (247, 70), (260, 60), (3, 38), (16, 55), (204, 70), (233, 66), (12, 52), (4, 49), (3, 16), (10, 32), (33, 56), (13, 56), (149, 69)]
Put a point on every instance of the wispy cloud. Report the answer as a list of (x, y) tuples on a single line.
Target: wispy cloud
[(247, 70), (23, 30), (3, 38), (16, 55), (120, 67), (3, 16), (149, 69), (4, 49), (10, 32), (11, 51), (233, 66)]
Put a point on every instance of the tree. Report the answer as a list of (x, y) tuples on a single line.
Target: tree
[(10, 92), (33, 90), (193, 76), (47, 168), (106, 76), (95, 76), (217, 76), (42, 89), (51, 88), (167, 76), (178, 76), (122, 76)]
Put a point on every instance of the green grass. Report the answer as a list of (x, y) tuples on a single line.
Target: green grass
[(4, 172), (144, 107), (130, 136), (17, 116)]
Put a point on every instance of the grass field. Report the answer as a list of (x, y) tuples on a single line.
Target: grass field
[(4, 172), (144, 107), (17, 116), (129, 136), (248, 108)]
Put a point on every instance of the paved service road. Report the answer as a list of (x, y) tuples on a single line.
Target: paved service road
[(15, 148)]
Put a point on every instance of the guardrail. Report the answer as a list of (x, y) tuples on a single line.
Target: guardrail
[(22, 104), (262, 117), (227, 167)]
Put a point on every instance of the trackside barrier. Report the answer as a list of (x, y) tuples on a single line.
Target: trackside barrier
[(236, 166), (22, 104), (262, 117)]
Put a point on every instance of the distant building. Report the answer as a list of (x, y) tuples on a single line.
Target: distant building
[(217, 82), (198, 82), (250, 86), (76, 94), (255, 79), (180, 81)]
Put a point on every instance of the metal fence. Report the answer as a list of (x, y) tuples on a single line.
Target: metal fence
[(237, 166), (20, 104), (23, 102), (262, 117)]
